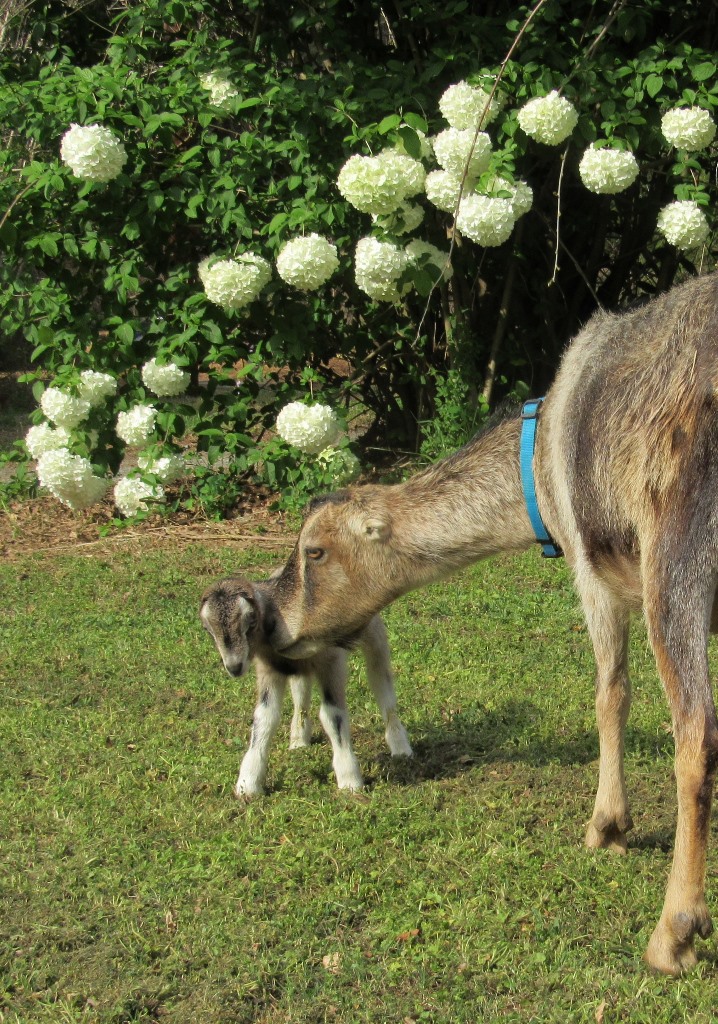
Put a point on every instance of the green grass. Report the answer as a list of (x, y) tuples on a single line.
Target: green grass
[(455, 889)]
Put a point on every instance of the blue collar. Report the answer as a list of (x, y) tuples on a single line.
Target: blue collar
[(529, 419)]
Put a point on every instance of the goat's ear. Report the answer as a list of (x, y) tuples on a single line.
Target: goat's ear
[(376, 528)]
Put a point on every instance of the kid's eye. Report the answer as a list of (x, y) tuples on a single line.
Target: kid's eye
[(314, 553)]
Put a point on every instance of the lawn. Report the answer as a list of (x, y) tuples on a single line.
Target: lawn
[(455, 889)]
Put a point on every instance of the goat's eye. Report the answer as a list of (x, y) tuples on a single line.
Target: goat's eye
[(314, 553)]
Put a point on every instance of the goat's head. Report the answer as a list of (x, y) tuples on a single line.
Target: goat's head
[(339, 574), (232, 613)]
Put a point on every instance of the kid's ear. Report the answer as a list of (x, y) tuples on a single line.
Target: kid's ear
[(372, 527)]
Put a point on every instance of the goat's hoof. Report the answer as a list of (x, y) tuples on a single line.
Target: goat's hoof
[(247, 791), (606, 832), (671, 948), (299, 742), (351, 785)]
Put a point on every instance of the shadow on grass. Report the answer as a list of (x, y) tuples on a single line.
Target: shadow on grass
[(508, 734)]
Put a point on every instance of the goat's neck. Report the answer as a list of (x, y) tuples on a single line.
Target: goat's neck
[(465, 507)]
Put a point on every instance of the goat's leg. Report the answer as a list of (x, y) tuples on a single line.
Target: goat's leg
[(267, 714), (678, 611), (300, 731), (377, 656), (607, 621), (333, 714)]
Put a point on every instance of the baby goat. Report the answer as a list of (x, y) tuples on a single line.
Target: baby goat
[(239, 616)]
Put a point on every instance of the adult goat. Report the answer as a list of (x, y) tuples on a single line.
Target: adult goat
[(626, 478)]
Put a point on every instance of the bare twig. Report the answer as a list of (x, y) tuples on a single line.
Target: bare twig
[(558, 216)]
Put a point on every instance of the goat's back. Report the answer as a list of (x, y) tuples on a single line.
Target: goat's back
[(629, 429)]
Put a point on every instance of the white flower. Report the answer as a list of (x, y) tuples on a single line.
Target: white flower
[(167, 468), (378, 184), (307, 262), (607, 171), (43, 438), (406, 218), (310, 428), (683, 224), (92, 153), (342, 463), (549, 119), (62, 409), (235, 283), (164, 380), (462, 105), (377, 267), (521, 195), (484, 220), (131, 495), (220, 88), (428, 257), (688, 128), (442, 189), (135, 426), (70, 478), (95, 386), (463, 150)]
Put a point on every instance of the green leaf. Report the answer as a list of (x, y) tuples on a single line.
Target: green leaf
[(704, 71), (416, 122), (125, 333), (411, 141), (388, 124), (653, 85)]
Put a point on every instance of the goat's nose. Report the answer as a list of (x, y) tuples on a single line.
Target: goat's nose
[(235, 667)]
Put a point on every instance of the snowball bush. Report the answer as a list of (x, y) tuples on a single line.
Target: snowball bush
[(307, 262), (70, 478), (422, 253), (311, 428), (167, 468), (92, 153), (406, 218), (43, 438), (463, 150), (234, 283), (484, 220), (683, 224), (442, 189), (220, 88), (377, 267), (462, 105), (131, 495), (378, 184), (689, 128), (95, 387), (164, 381), (62, 409), (548, 119), (607, 171), (135, 426)]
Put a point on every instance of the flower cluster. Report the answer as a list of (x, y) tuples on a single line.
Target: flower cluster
[(377, 268), (683, 224), (518, 193), (343, 465), (462, 150), (689, 128), (62, 409), (94, 386), (378, 184), (220, 88), (311, 428), (548, 119), (43, 438), (92, 153), (442, 190), (484, 220), (235, 283), (70, 478), (164, 381), (463, 105), (135, 426), (307, 262), (131, 494), (167, 468), (607, 171)]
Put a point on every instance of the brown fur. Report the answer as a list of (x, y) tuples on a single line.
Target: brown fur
[(626, 469)]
